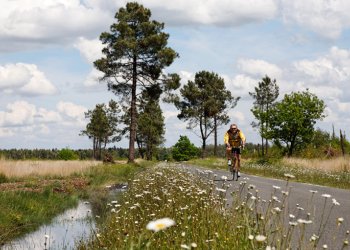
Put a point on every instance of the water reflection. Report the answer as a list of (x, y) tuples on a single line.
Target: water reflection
[(64, 231)]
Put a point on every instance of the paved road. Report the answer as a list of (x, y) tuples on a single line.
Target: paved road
[(300, 194)]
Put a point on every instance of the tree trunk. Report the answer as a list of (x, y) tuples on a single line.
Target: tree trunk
[(133, 115), (215, 137), (203, 148)]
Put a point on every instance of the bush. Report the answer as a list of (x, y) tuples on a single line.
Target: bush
[(67, 154), (184, 150)]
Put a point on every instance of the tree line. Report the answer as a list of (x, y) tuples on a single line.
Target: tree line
[(135, 56)]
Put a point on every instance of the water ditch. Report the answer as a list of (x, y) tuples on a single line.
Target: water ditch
[(66, 230)]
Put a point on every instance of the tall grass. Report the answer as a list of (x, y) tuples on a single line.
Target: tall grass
[(170, 208), (337, 164), (11, 168)]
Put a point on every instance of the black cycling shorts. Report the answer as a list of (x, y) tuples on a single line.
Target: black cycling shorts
[(236, 151)]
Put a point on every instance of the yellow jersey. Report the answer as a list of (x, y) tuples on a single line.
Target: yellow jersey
[(235, 139)]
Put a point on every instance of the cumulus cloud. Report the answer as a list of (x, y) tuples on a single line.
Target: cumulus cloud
[(50, 21), (19, 113), (72, 111), (326, 18), (91, 50), (92, 79), (24, 79), (332, 67), (43, 22), (241, 84), (220, 13), (259, 68), (21, 118)]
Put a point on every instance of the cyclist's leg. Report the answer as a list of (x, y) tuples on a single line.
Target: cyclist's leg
[(238, 164), (229, 158)]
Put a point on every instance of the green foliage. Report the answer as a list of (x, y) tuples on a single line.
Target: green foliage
[(205, 102), (67, 154), (293, 119), (184, 150), (150, 127), (3, 178), (264, 97), (103, 126)]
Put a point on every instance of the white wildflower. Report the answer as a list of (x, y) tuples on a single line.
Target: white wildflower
[(251, 237), (302, 221), (289, 176), (185, 246), (160, 224), (260, 238), (326, 195), (220, 190), (193, 245), (334, 201)]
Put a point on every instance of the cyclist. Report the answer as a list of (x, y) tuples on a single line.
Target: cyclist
[(234, 140)]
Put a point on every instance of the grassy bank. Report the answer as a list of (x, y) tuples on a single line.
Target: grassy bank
[(28, 201), (328, 172), (170, 208)]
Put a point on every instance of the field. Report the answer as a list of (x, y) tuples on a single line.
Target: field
[(168, 206), (11, 168)]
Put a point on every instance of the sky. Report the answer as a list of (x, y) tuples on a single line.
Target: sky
[(47, 50)]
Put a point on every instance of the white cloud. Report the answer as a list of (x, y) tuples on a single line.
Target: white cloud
[(50, 21), (19, 113), (259, 68), (221, 13), (72, 111), (240, 85), (24, 79), (326, 18), (92, 80), (237, 117), (91, 50), (332, 68), (170, 114)]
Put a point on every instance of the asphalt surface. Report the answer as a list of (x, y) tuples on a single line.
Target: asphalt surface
[(299, 196)]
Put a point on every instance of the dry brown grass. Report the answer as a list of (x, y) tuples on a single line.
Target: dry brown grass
[(332, 164), (12, 168)]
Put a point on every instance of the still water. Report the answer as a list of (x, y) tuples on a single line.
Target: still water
[(65, 230)]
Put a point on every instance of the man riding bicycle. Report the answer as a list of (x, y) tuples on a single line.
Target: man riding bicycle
[(234, 140)]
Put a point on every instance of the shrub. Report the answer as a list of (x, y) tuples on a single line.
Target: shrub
[(67, 154), (184, 150)]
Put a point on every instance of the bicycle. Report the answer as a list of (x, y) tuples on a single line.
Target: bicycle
[(233, 164)]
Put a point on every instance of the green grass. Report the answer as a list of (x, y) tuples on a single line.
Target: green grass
[(24, 211), (275, 169)]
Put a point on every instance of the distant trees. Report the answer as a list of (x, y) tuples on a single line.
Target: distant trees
[(292, 120), (265, 94), (102, 127), (184, 150), (135, 54), (204, 103)]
